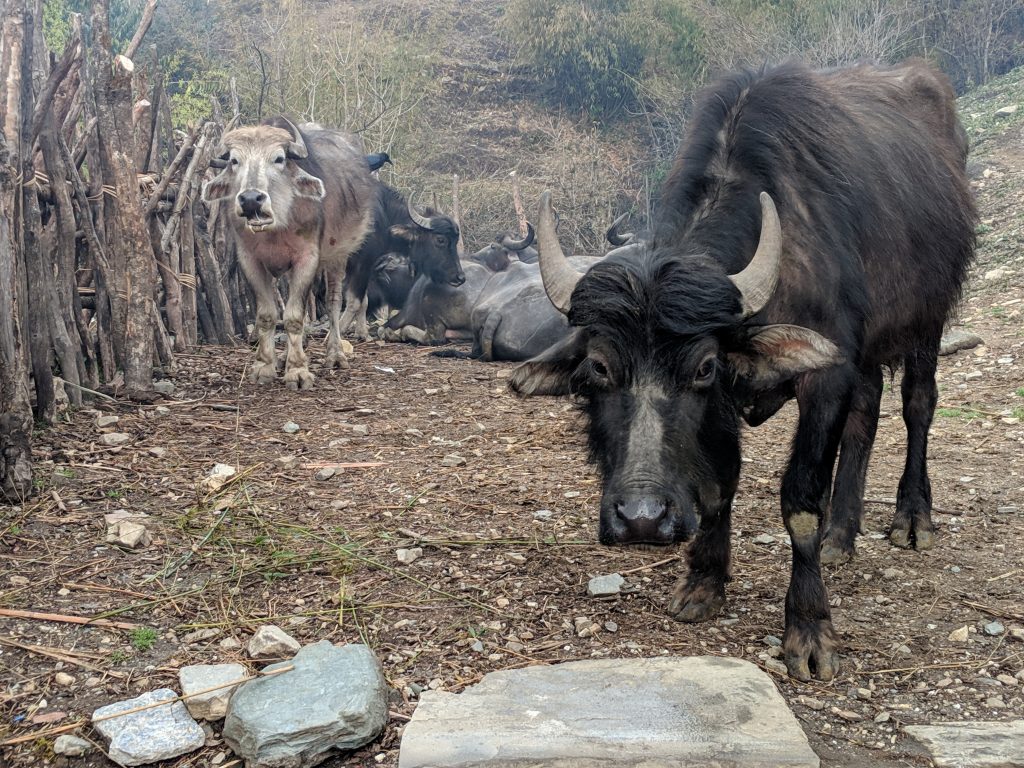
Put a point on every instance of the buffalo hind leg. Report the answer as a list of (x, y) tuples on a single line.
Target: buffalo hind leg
[(335, 354), (700, 594), (912, 524), (809, 642), (854, 454)]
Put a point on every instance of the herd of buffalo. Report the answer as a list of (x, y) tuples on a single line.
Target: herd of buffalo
[(815, 227)]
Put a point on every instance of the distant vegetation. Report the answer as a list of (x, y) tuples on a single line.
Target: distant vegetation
[(587, 96)]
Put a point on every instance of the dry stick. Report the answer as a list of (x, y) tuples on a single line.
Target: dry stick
[(43, 651), (14, 613), (165, 180), (134, 710), (650, 567), (140, 31), (517, 202)]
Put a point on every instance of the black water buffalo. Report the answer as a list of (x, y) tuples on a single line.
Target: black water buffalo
[(816, 226), (505, 249), (302, 201), (428, 239)]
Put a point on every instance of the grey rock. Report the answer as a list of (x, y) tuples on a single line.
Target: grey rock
[(151, 735), (600, 586), (158, 452), (410, 555), (200, 635), (1009, 109), (958, 338), (102, 422), (543, 515), (334, 699), (360, 429), (164, 387), (290, 427), (72, 746), (973, 744), (764, 538), (994, 629), (1010, 509), (614, 713), (212, 705), (326, 473), (453, 460), (162, 410), (114, 438), (270, 641), (288, 461)]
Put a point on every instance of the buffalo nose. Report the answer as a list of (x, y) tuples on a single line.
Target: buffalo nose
[(458, 280), (641, 519), (251, 202)]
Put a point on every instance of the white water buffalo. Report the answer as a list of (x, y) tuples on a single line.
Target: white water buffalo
[(302, 200)]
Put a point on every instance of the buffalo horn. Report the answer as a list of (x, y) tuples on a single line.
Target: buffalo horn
[(558, 275), (613, 235), (517, 245), (416, 216), (297, 147), (758, 279)]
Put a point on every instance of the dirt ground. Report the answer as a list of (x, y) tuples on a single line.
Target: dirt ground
[(508, 539)]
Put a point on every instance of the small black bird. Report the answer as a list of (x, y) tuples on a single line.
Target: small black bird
[(378, 160)]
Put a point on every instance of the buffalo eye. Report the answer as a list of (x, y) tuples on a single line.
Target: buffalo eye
[(441, 240), (705, 372), (234, 161), (279, 160), (598, 370)]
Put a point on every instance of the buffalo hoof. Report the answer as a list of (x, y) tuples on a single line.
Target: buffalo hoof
[(924, 538), (299, 378), (810, 651), (336, 360), (696, 602), (834, 552), (900, 537), (262, 372)]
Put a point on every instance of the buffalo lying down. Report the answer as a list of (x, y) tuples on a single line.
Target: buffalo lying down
[(816, 227)]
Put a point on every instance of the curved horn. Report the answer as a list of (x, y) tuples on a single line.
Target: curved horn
[(558, 275), (614, 237), (517, 245), (758, 279), (417, 217), (297, 147)]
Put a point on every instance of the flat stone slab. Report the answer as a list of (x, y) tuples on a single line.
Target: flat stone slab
[(150, 735), (973, 745), (616, 713)]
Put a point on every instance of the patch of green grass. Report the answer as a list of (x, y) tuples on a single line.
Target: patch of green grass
[(997, 311), (1019, 392), (958, 413), (142, 638), (64, 472), (118, 657), (115, 493), (1018, 412)]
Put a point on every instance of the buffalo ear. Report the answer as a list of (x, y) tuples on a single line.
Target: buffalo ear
[(217, 188), (774, 354), (550, 372), (403, 232), (308, 186)]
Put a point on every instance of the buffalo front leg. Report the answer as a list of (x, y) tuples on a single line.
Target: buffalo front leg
[(810, 641), (355, 314), (296, 367), (264, 368), (335, 354), (912, 524), (851, 474), (700, 594)]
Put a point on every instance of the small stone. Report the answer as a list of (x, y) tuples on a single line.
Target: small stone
[(1007, 510), (408, 556), (63, 678), (994, 629), (903, 650), (764, 538), (883, 717), (199, 635), (211, 705), (218, 477), (326, 473), (477, 646), (414, 432), (995, 702), (776, 666), (543, 515), (601, 586), (230, 644), (810, 702), (1009, 109), (102, 422), (126, 529), (1007, 680), (973, 375), (453, 460), (271, 641), (114, 438), (158, 452), (288, 461), (891, 573), (1017, 633), (960, 635), (150, 735), (582, 625), (290, 428), (772, 641), (571, 494), (162, 410), (611, 626), (995, 274), (72, 746), (847, 714), (515, 557), (164, 387)]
